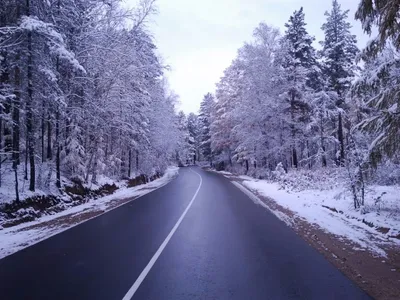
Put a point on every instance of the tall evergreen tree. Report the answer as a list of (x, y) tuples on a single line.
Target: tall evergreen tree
[(379, 85), (193, 128), (206, 107), (339, 50), (299, 62)]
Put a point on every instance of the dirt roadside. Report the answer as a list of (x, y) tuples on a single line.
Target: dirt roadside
[(378, 276)]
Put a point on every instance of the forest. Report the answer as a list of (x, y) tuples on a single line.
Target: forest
[(291, 105), (84, 98), (284, 184), (83, 95)]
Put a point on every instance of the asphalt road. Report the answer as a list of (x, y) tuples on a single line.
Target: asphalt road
[(225, 247)]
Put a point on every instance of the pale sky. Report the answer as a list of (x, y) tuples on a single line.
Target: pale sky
[(199, 39)]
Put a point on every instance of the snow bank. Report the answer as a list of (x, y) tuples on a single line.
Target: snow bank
[(332, 210), (18, 237)]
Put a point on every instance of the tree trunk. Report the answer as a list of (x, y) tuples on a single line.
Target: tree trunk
[(107, 138), (15, 124), (324, 163), (67, 129), (322, 143), (341, 140), (229, 157), (123, 164), (58, 172), (294, 152), (7, 110), (16, 102), (43, 133), (29, 116), (294, 157), (129, 163), (29, 109), (4, 80), (1, 141), (137, 159), (26, 158), (49, 152), (15, 128), (16, 183)]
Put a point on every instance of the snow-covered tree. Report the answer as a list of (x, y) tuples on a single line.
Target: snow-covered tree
[(82, 92), (193, 128), (378, 88), (299, 62), (381, 13), (186, 150), (339, 50), (204, 124), (227, 96)]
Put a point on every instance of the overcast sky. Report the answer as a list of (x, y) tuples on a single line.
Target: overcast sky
[(199, 39)]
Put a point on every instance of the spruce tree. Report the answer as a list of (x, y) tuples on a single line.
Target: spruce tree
[(298, 61), (384, 14), (193, 128), (204, 127), (339, 50), (379, 85)]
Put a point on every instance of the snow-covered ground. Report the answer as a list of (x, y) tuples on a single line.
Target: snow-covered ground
[(320, 206), (18, 237), (44, 184)]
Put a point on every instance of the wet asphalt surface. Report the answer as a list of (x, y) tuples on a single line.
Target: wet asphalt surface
[(226, 247)]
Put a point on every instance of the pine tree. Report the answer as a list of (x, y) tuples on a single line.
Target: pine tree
[(227, 98), (184, 152), (379, 87), (193, 128), (206, 107), (339, 50), (298, 61), (384, 14)]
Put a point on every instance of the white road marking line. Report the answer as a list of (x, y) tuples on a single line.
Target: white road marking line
[(153, 260)]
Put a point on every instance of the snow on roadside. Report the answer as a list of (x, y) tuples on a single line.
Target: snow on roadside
[(18, 237), (225, 173), (308, 204)]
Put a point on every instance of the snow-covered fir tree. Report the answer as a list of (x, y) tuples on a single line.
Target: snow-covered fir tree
[(379, 111), (379, 86), (204, 122), (193, 128), (299, 62), (339, 49)]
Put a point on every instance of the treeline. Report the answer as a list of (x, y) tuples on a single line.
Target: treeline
[(283, 101), (82, 93)]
